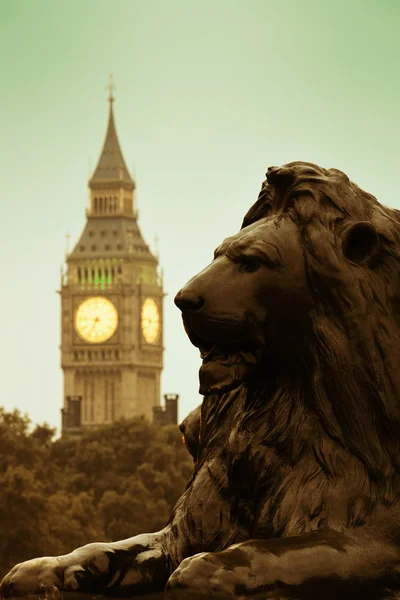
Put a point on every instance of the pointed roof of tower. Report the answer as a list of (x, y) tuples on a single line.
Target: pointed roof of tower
[(111, 167)]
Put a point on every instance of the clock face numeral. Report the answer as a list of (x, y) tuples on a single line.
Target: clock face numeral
[(150, 319), (96, 319)]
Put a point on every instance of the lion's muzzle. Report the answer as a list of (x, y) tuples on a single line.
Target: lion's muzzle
[(230, 347), (188, 301)]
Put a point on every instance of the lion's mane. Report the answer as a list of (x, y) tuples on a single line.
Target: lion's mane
[(315, 440)]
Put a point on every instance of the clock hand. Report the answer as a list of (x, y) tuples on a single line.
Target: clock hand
[(95, 320)]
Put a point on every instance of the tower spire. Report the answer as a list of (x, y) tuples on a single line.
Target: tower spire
[(111, 168)]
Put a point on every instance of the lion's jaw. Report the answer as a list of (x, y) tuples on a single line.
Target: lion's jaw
[(227, 358), (222, 371)]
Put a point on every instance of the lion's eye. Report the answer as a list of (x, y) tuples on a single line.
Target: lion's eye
[(249, 265)]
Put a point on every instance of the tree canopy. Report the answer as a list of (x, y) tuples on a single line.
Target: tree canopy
[(110, 483)]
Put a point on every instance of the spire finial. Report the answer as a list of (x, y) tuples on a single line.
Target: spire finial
[(110, 87)]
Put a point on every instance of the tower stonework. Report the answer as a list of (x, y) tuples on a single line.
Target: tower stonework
[(111, 305)]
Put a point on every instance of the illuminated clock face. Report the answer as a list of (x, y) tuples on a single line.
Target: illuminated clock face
[(96, 319), (150, 319)]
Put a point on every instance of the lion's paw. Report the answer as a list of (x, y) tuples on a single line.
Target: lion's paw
[(201, 577), (40, 575)]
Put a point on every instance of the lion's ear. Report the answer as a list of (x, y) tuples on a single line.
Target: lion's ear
[(360, 242)]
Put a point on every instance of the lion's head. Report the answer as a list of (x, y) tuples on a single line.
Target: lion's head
[(306, 295)]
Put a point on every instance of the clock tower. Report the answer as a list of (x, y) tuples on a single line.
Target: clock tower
[(111, 305)]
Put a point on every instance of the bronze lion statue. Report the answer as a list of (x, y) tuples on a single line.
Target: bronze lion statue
[(296, 478)]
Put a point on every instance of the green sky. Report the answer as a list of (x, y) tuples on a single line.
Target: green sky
[(209, 94)]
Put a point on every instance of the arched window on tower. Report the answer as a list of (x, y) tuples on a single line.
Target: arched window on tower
[(79, 275), (102, 278), (96, 276), (95, 205), (86, 275), (112, 274)]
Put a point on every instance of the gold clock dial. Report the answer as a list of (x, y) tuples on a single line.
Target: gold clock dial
[(150, 319), (96, 319)]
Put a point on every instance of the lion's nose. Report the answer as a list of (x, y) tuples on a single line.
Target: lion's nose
[(188, 301)]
